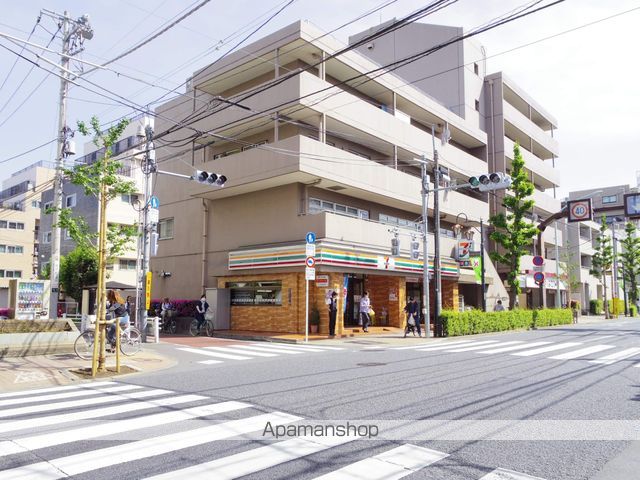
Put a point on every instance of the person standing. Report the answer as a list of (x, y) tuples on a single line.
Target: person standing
[(413, 309), (365, 306), (333, 312), (201, 309), (499, 307)]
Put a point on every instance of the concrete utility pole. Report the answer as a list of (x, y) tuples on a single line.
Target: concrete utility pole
[(425, 247), (73, 34)]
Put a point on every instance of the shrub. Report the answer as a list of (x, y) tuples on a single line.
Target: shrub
[(633, 311), (595, 307), (475, 321), (617, 306), (183, 307)]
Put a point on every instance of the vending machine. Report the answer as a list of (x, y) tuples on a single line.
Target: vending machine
[(29, 299)]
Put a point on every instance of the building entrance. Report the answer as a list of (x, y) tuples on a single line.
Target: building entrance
[(355, 290)]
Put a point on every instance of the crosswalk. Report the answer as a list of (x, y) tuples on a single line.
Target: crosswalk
[(239, 352), (603, 354), (69, 439)]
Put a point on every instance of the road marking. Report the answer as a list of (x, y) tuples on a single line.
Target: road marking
[(582, 352), (504, 474), (393, 464), (134, 451), (480, 347), (257, 459), (66, 405), (54, 396), (616, 357), (302, 348), (214, 354), (522, 346), (440, 346), (111, 427), (411, 347), (54, 389), (102, 412), (210, 362), (551, 348), (450, 347), (266, 349), (232, 351)]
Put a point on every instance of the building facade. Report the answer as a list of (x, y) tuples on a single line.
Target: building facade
[(309, 146), (20, 223)]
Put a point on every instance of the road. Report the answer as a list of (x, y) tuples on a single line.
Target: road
[(557, 403)]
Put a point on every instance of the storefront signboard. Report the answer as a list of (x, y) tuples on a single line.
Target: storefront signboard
[(322, 280)]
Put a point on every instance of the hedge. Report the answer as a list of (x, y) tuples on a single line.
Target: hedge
[(596, 307), (617, 306), (633, 311), (475, 321)]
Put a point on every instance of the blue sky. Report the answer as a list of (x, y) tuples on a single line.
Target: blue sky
[(587, 79)]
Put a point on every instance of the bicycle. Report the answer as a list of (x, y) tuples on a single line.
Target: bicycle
[(207, 325), (130, 342), (169, 324)]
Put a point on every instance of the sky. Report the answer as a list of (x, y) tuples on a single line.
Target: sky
[(587, 79)]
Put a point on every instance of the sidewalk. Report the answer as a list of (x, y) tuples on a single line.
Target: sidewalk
[(38, 371)]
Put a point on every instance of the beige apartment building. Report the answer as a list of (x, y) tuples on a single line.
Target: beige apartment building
[(311, 147), (19, 225)]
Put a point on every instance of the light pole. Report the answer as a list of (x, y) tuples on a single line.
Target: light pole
[(482, 270), (425, 247)]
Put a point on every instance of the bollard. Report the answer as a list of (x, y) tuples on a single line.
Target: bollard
[(156, 329)]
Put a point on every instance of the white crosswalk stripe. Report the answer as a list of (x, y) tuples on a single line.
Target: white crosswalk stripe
[(521, 346), (616, 357), (234, 351), (550, 348), (451, 347), (202, 351), (272, 350), (292, 346), (255, 350), (503, 474), (55, 389), (583, 352)]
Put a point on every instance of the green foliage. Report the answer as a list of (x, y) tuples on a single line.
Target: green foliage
[(602, 260), (630, 257), (45, 272), (476, 321), (78, 270), (512, 232), (617, 306), (595, 307), (633, 311)]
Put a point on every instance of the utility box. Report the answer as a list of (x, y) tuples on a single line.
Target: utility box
[(219, 300)]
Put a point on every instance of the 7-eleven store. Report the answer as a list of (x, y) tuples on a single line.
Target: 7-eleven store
[(268, 289)]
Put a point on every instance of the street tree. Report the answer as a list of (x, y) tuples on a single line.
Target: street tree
[(78, 270), (602, 260), (630, 257), (570, 272), (512, 232)]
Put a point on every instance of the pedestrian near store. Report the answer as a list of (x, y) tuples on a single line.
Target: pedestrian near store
[(333, 312), (413, 309), (365, 307), (201, 309)]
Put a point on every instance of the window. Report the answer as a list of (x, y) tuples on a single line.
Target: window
[(47, 206), (46, 238), (401, 222), (609, 198), (70, 201), (317, 206), (126, 264), (256, 293), (477, 105), (165, 228), (35, 204), (3, 249), (125, 198), (10, 273), (3, 224), (14, 225)]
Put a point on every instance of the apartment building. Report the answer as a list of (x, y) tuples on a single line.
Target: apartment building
[(123, 210), (19, 224), (326, 153)]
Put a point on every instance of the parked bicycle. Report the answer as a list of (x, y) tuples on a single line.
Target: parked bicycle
[(130, 342)]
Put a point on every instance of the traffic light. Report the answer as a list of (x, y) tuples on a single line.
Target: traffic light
[(415, 249), (210, 178), (395, 246), (492, 181)]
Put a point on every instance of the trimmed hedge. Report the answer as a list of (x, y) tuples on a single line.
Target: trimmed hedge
[(633, 311), (617, 306), (596, 307), (475, 321)]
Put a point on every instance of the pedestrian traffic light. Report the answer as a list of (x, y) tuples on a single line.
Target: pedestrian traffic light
[(492, 181), (210, 178), (395, 246), (415, 250)]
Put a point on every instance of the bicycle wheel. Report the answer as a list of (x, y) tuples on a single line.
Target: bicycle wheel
[(83, 346), (173, 326), (193, 328), (208, 328), (130, 341)]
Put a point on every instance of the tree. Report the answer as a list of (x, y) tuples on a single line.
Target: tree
[(570, 273), (631, 260), (78, 270), (511, 230), (602, 261), (45, 271)]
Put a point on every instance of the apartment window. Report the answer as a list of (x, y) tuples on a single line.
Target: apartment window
[(70, 201), (317, 206), (47, 206), (10, 273), (11, 249), (3, 249), (109, 266), (165, 228), (3, 224), (126, 264), (125, 198), (476, 69), (46, 238), (477, 105), (14, 226), (401, 222), (609, 199), (35, 204)]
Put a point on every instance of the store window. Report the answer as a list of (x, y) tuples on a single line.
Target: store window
[(256, 293)]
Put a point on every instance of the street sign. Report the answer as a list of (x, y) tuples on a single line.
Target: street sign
[(538, 261), (311, 262), (311, 250), (311, 237), (154, 215), (579, 210), (147, 290), (538, 277), (310, 273), (154, 202)]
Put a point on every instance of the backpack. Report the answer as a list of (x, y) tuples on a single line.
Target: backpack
[(120, 311)]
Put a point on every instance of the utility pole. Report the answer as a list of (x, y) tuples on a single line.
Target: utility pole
[(484, 285), (436, 234), (614, 279), (425, 247), (73, 34)]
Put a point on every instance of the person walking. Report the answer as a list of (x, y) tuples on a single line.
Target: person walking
[(413, 309), (365, 307), (333, 312), (499, 307), (201, 309)]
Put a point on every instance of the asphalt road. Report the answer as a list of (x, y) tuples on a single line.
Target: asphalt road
[(557, 403)]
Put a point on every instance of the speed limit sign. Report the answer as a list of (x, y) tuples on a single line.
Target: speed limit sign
[(579, 210)]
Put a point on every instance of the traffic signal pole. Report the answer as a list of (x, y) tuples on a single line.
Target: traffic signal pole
[(425, 248)]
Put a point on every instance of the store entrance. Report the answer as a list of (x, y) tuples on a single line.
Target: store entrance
[(355, 290), (414, 289)]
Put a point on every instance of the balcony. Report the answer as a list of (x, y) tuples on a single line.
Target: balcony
[(545, 203), (544, 173), (531, 130)]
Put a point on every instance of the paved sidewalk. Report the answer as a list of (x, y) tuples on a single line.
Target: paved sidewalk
[(41, 371)]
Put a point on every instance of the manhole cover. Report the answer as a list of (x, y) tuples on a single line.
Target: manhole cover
[(370, 364)]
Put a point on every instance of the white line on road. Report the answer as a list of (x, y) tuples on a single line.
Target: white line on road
[(210, 362), (54, 389), (234, 351), (391, 465), (251, 348), (201, 351), (551, 348), (522, 346), (85, 392), (582, 352), (616, 357), (134, 451), (450, 347), (296, 346), (66, 405), (101, 411), (503, 474), (257, 459), (479, 347)]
